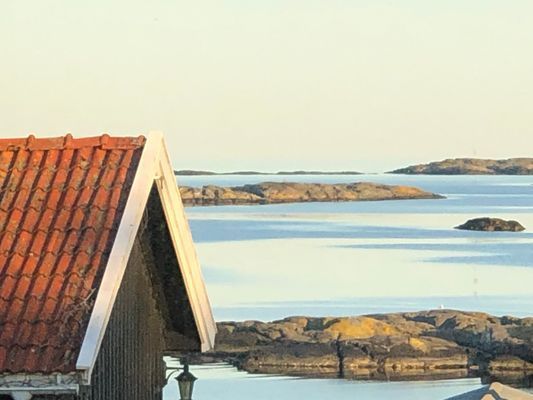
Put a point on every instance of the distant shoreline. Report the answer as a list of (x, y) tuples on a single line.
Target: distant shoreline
[(187, 172), (451, 166)]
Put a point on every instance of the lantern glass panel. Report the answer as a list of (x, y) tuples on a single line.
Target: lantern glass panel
[(186, 383)]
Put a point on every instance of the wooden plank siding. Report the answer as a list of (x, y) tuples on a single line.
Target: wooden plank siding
[(130, 363), (152, 316)]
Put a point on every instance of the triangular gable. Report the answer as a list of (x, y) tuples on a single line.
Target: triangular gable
[(154, 166)]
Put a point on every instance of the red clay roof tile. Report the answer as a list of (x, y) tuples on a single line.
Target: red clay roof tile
[(61, 201)]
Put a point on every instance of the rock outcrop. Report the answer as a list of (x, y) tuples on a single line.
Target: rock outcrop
[(491, 225), (471, 166), (431, 344), (495, 391), (285, 192)]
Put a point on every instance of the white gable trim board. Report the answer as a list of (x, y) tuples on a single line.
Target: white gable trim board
[(155, 166), (180, 233)]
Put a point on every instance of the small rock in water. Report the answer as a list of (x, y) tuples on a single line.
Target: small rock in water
[(491, 225)]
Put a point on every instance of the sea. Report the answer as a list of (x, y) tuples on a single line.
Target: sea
[(268, 262)]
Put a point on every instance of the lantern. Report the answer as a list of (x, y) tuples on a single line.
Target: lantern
[(186, 383)]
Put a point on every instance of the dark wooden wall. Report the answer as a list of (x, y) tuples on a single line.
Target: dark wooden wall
[(130, 363), (181, 333)]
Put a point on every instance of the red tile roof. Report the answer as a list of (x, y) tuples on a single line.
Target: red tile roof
[(61, 201)]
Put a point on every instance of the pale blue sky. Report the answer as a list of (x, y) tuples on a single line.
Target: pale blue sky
[(332, 84)]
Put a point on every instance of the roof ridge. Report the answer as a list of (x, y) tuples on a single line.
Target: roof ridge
[(105, 141)]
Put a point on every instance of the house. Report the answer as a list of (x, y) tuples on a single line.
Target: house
[(98, 274)]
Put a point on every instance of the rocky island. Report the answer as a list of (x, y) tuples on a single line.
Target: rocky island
[(471, 166), (491, 225), (415, 345), (286, 192)]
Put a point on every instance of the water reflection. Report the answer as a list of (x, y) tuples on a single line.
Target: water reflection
[(504, 252), (221, 230), (223, 382), (518, 379)]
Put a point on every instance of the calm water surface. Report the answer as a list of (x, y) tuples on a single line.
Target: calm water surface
[(268, 262), (222, 382)]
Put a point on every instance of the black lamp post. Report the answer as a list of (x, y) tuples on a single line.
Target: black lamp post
[(185, 381)]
